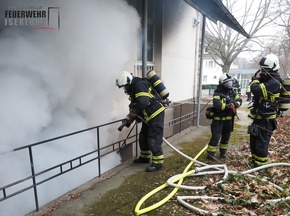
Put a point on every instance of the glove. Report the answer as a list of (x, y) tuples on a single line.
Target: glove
[(132, 115), (130, 118), (236, 104), (232, 107), (127, 122)]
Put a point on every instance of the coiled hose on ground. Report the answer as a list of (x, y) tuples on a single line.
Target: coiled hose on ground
[(220, 169)]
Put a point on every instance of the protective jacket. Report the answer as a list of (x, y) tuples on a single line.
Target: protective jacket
[(248, 88), (223, 121), (237, 87), (145, 105), (266, 93), (222, 98), (143, 101), (248, 92)]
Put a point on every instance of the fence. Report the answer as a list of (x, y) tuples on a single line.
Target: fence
[(182, 118)]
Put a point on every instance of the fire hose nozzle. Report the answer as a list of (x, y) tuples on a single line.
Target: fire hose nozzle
[(120, 128), (126, 123)]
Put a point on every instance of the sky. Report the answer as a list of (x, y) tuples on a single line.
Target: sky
[(246, 12)]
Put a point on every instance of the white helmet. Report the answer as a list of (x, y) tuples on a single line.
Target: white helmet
[(270, 61), (225, 78), (125, 78)]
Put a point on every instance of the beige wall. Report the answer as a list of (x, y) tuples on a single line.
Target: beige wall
[(179, 49)]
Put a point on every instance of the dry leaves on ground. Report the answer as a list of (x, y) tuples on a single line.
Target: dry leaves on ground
[(245, 195)]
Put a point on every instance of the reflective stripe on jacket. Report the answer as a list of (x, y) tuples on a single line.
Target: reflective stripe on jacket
[(248, 88), (221, 99), (266, 96), (143, 100)]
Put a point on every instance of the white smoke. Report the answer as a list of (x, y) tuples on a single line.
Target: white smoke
[(57, 82)]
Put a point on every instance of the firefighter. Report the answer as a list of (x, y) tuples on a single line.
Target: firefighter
[(225, 103), (236, 86), (146, 107), (248, 91), (265, 87)]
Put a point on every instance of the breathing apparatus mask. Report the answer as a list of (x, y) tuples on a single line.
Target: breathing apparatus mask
[(127, 89), (226, 80), (124, 81), (228, 84)]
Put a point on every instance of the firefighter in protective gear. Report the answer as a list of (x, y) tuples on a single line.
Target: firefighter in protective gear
[(146, 107), (225, 103), (265, 87), (236, 86), (248, 91)]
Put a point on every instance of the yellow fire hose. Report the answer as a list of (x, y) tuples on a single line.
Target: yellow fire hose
[(180, 178)]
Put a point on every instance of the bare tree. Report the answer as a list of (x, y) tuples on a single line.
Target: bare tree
[(280, 44), (224, 44)]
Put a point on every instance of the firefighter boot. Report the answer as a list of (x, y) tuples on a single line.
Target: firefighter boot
[(142, 160), (154, 167), (223, 153), (211, 155)]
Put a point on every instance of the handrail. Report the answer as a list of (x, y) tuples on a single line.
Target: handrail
[(83, 159), (80, 161), (66, 135)]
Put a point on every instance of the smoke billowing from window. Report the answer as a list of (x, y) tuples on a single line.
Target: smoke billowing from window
[(54, 82)]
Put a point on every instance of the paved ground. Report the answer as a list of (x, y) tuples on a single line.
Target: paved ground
[(73, 203)]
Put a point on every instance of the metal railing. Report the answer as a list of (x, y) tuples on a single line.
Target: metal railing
[(184, 118), (68, 165), (138, 68)]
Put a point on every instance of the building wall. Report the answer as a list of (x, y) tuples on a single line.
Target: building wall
[(179, 42), (211, 71), (176, 46)]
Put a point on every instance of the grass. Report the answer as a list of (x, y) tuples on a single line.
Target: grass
[(122, 201)]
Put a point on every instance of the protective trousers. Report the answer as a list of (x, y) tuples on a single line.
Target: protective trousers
[(151, 139), (220, 131), (260, 135)]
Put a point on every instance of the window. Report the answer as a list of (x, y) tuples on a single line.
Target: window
[(210, 64), (204, 78)]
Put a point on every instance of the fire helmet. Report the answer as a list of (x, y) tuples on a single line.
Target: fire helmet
[(270, 61), (225, 78), (125, 78)]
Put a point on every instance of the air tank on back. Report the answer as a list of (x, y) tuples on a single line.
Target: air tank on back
[(285, 95), (157, 84)]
